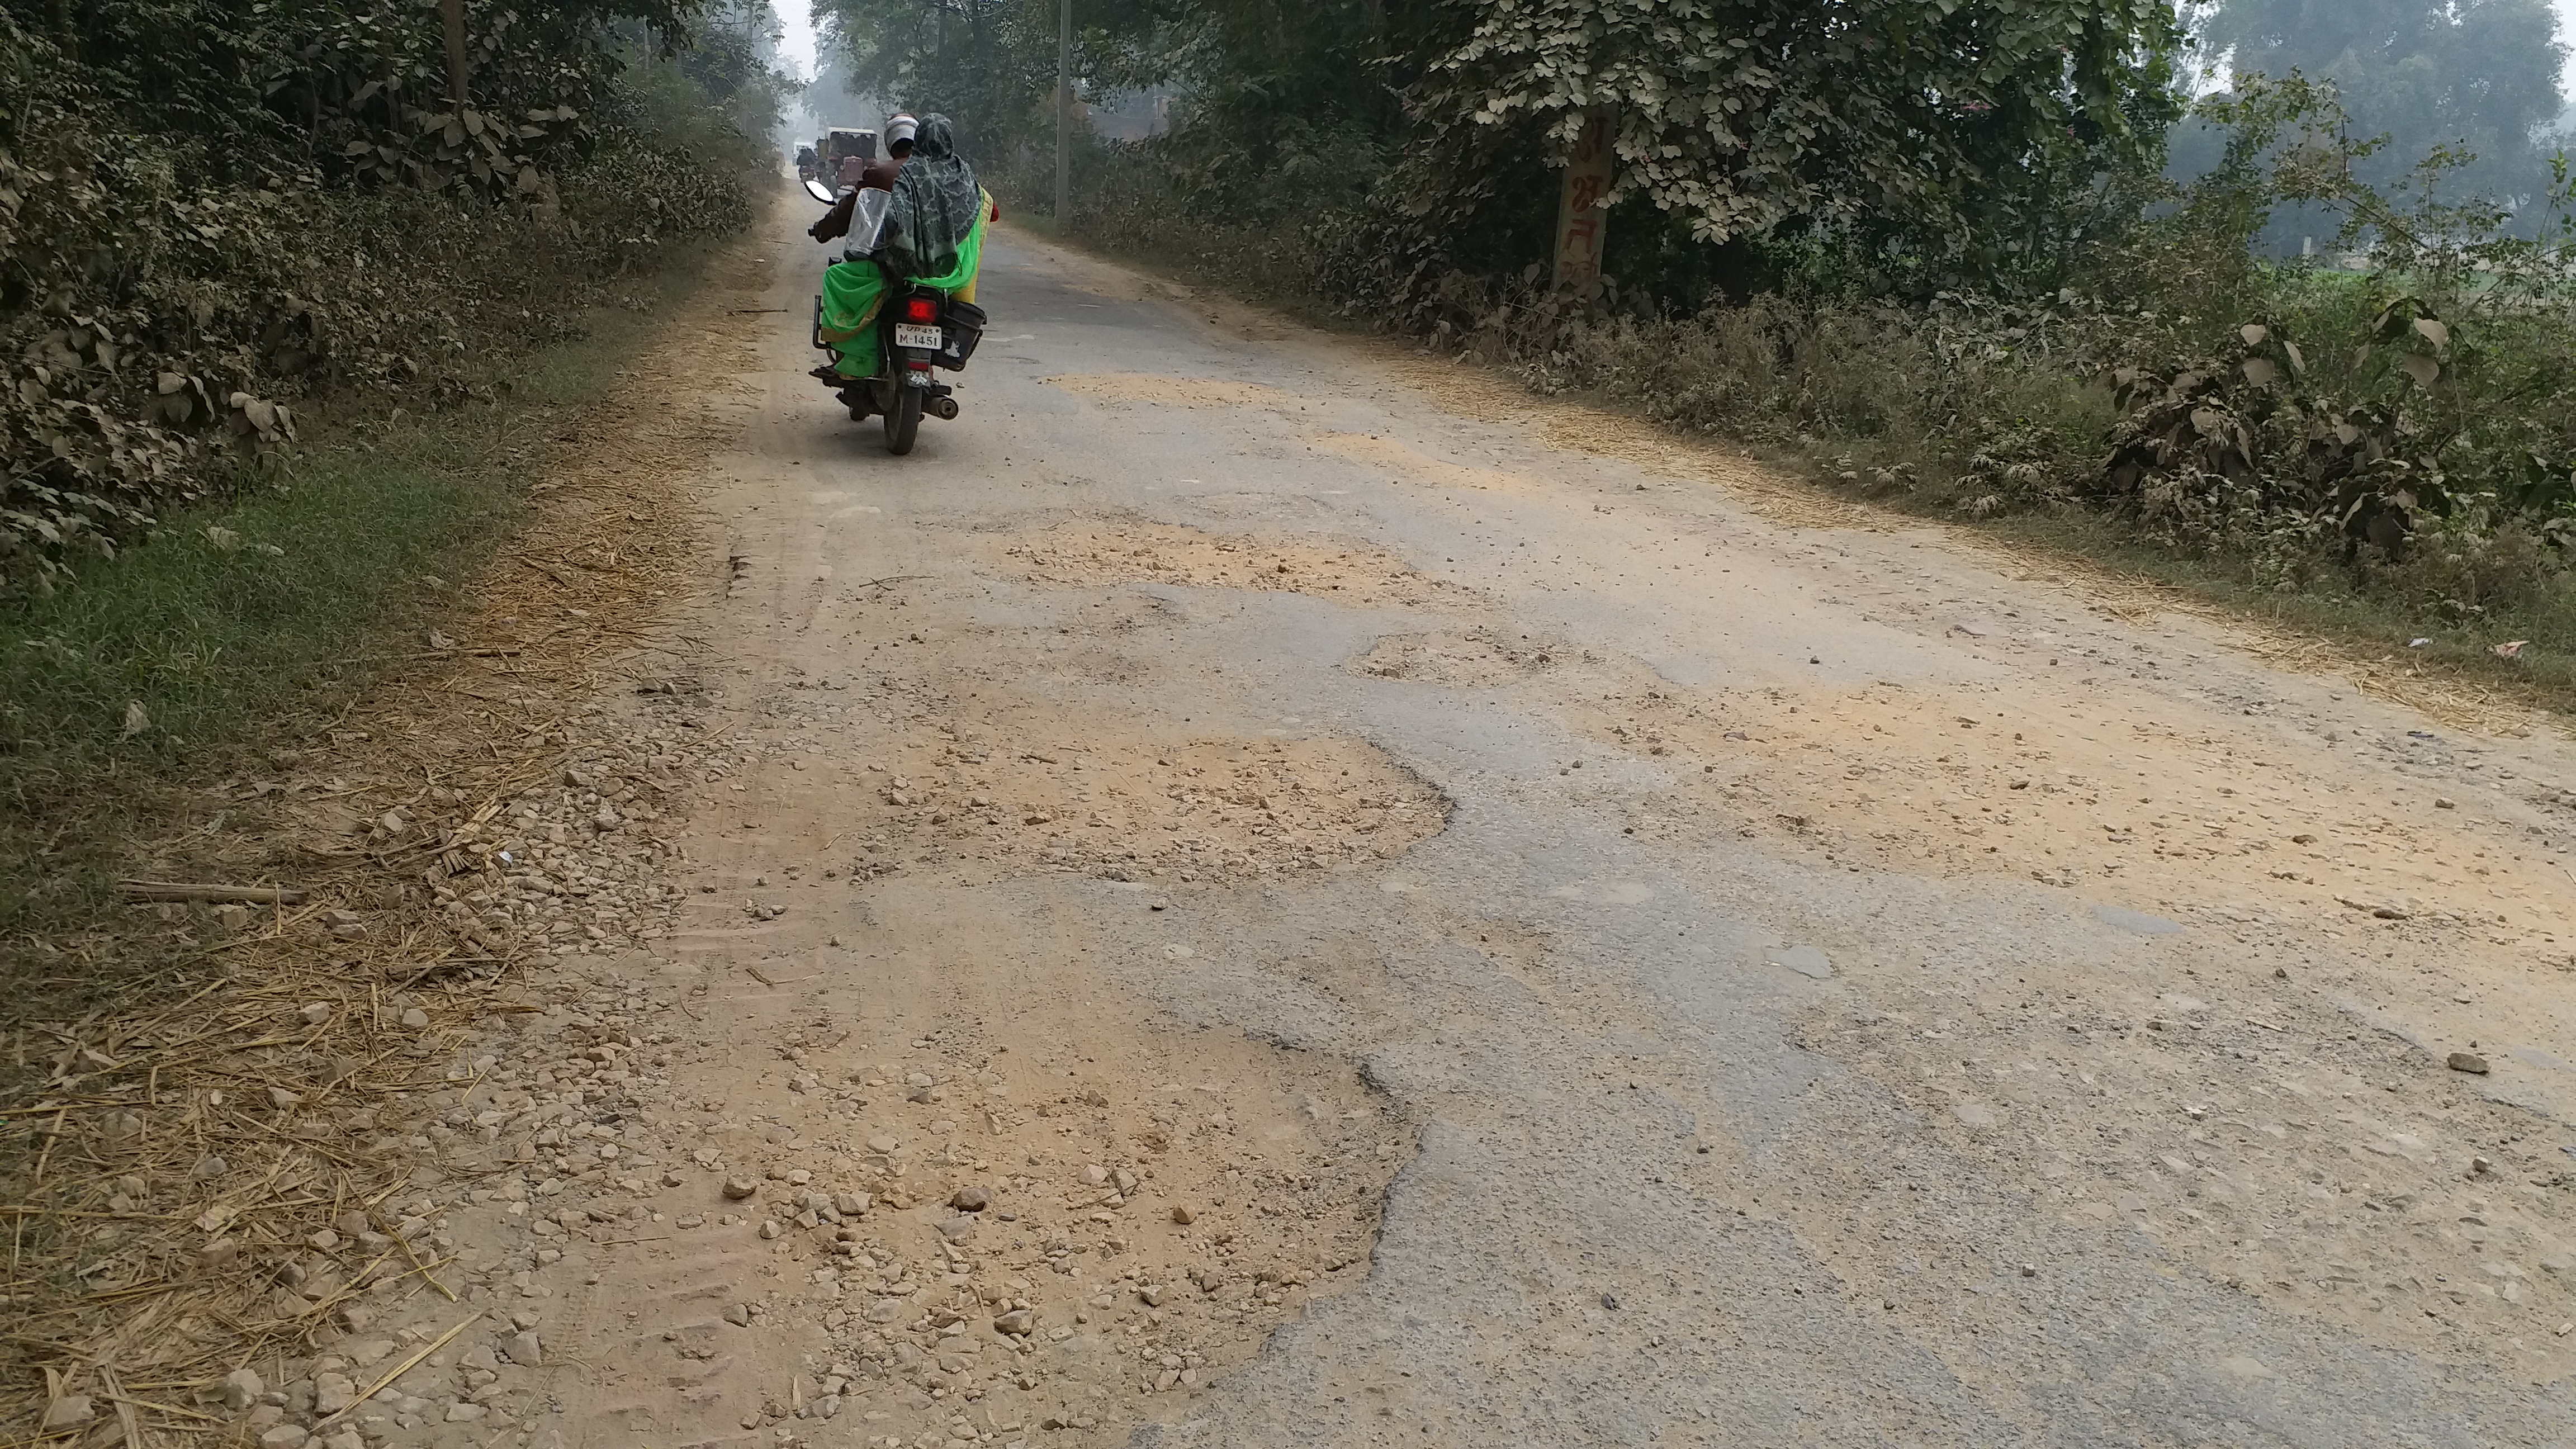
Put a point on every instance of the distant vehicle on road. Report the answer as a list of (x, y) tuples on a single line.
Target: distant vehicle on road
[(809, 163), (839, 144)]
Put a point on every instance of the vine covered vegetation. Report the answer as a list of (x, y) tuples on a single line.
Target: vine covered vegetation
[(218, 218)]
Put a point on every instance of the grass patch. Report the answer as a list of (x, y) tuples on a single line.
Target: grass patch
[(201, 653)]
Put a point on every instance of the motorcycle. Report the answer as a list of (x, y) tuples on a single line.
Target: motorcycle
[(919, 329)]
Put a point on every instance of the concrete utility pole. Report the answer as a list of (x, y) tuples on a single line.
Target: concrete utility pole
[(1063, 110)]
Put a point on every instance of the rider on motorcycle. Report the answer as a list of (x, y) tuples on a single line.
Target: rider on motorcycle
[(935, 239), (877, 175)]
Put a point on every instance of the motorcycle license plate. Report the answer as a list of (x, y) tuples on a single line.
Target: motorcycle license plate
[(907, 335)]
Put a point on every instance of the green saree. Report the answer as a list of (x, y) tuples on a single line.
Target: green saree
[(853, 293)]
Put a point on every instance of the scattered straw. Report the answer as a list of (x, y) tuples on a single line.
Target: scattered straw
[(406, 1366), (159, 1165)]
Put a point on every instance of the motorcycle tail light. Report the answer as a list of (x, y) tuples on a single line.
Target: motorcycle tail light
[(921, 309)]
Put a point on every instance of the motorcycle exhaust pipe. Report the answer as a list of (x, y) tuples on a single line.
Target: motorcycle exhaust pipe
[(942, 408)]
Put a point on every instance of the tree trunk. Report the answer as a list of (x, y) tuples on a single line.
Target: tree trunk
[(982, 44), (453, 11), (1063, 111)]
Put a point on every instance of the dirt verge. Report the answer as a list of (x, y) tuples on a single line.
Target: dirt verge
[(225, 1181)]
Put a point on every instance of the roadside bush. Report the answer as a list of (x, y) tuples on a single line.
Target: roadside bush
[(175, 298), (2344, 418)]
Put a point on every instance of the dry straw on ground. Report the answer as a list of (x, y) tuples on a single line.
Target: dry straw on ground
[(171, 1169)]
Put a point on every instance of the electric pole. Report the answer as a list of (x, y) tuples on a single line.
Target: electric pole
[(1063, 112)]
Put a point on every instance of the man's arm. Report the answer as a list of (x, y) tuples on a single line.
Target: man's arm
[(836, 222)]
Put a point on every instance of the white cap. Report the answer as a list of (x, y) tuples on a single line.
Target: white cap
[(901, 127)]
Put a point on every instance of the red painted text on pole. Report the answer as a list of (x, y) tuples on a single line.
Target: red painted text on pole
[(1581, 222)]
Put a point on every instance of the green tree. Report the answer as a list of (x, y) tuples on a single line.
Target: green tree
[(355, 89), (732, 58), (989, 65), (1282, 106), (199, 198), (1935, 137), (2478, 75)]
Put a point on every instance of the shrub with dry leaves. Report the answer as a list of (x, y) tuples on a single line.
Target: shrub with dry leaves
[(212, 223)]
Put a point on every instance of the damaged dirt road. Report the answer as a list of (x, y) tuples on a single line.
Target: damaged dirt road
[(1249, 893)]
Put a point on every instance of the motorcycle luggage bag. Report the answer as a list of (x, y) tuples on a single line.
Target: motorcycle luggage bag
[(965, 324)]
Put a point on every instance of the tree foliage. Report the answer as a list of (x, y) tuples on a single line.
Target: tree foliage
[(349, 86), (989, 65), (212, 211), (1282, 108), (2478, 76), (732, 60), (1747, 116)]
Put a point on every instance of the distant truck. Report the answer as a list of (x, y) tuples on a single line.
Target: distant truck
[(842, 143)]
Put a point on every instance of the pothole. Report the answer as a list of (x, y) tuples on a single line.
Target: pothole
[(1479, 658), (2107, 793), (1151, 390), (884, 1216), (2277, 1173), (1410, 465), (1092, 554), (1133, 809)]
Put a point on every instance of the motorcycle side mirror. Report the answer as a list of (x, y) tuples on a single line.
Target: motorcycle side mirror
[(819, 191)]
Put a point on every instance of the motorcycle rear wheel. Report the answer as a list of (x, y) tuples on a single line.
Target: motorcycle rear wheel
[(903, 419)]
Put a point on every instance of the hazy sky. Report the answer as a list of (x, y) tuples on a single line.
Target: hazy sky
[(2567, 27), (797, 49)]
